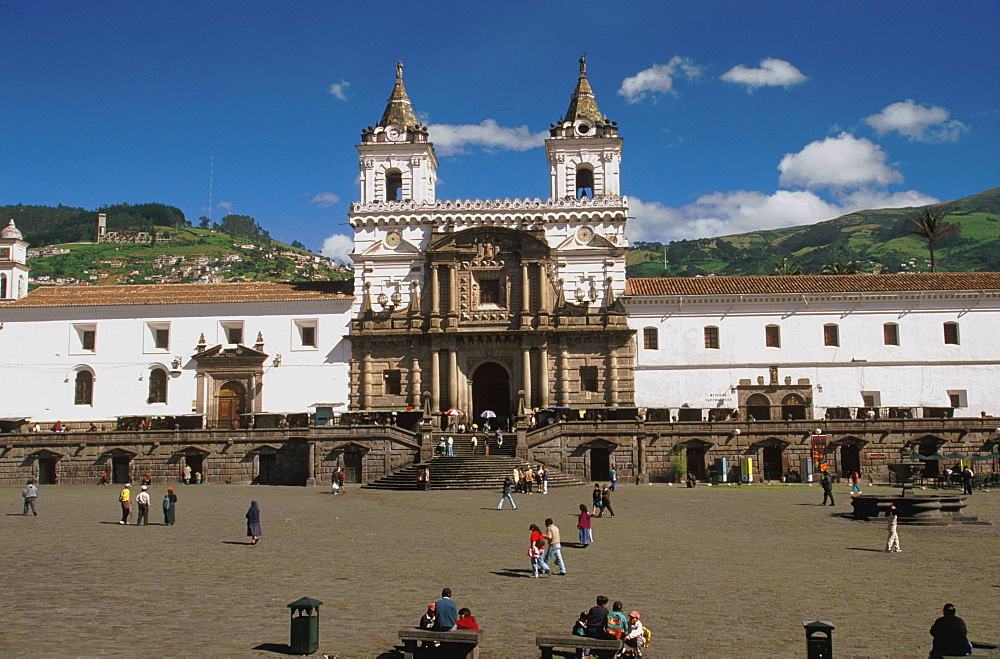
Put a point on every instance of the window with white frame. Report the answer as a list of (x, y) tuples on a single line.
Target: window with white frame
[(711, 337), (83, 387), (157, 385), (831, 335), (890, 334), (305, 335), (83, 338), (958, 398), (871, 398), (157, 337), (650, 338), (951, 336), (232, 331), (772, 336)]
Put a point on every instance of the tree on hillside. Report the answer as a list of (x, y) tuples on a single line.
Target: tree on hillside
[(929, 226), (839, 268), (297, 245), (786, 267), (204, 222)]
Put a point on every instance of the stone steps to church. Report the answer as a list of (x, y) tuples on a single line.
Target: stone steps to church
[(464, 473)]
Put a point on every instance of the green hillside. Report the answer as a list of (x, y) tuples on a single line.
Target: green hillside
[(235, 248), (874, 240)]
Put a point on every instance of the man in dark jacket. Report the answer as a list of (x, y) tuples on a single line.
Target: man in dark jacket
[(950, 635), (507, 484), (827, 487)]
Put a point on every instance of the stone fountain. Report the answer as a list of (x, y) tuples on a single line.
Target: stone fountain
[(913, 509)]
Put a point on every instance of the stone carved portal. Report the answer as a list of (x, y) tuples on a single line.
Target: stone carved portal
[(491, 391)]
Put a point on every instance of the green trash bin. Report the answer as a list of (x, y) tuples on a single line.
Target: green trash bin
[(305, 626), (819, 639)]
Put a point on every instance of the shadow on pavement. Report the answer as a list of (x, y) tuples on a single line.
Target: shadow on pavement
[(878, 551), (235, 542), (512, 572)]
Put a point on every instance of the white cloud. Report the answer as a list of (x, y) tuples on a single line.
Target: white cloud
[(450, 140), (837, 163), (225, 205), (658, 78), (338, 247), (772, 73), (339, 89), (741, 211), (324, 199), (917, 122)]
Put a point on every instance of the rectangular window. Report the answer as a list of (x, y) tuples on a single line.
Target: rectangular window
[(83, 338), (958, 398), (871, 398), (161, 339), (951, 333), (650, 338), (831, 335), (489, 291), (890, 332), (772, 336), (156, 337), (305, 334), (712, 338), (393, 382), (588, 378), (232, 331)]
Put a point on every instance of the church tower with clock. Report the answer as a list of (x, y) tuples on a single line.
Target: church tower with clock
[(500, 305)]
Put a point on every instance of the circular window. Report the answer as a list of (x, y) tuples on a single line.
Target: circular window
[(583, 129)]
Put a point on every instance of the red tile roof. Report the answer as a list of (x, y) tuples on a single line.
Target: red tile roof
[(247, 292), (779, 284)]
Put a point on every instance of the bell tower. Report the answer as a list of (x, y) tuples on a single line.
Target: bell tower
[(584, 150), (13, 267), (396, 159)]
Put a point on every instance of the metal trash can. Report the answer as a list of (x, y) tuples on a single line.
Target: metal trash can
[(819, 639), (305, 626)]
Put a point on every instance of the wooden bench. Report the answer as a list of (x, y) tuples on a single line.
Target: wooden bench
[(461, 643), (547, 642)]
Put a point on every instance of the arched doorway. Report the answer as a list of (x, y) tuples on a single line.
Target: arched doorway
[(600, 464), (491, 391), (232, 402), (850, 458), (758, 408), (793, 408)]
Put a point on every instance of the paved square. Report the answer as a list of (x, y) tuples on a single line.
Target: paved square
[(714, 571)]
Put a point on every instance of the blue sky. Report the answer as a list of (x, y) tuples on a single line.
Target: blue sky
[(736, 115)]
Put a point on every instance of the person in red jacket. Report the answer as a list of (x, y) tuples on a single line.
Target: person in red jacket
[(466, 619)]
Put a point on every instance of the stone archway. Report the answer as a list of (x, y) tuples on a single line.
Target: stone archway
[(758, 408), (491, 391), (231, 403)]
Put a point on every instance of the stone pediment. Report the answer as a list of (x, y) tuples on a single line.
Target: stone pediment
[(404, 248), (229, 355)]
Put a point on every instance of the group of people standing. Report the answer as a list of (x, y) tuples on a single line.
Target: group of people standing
[(526, 480), (142, 500), (602, 499)]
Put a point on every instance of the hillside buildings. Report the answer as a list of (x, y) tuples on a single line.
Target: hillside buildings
[(519, 307)]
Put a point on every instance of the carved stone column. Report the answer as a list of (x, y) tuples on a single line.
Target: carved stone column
[(526, 375), (611, 377), (435, 291), (365, 392), (525, 295), (543, 376), (453, 377), (435, 381), (563, 376), (415, 383), (453, 288), (311, 469)]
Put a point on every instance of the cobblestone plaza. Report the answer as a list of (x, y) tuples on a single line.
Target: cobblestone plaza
[(715, 571)]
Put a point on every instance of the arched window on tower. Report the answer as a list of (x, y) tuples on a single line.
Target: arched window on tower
[(157, 386), (3, 286), (393, 185), (84, 388), (584, 182)]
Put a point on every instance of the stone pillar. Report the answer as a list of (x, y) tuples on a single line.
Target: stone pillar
[(563, 376), (365, 394), (526, 375), (311, 451), (641, 477), (543, 290), (525, 294), (415, 383), (435, 381), (435, 291), (543, 376), (452, 288), (611, 377), (453, 377)]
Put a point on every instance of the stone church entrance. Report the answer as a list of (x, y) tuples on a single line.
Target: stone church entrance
[(232, 403), (491, 391)]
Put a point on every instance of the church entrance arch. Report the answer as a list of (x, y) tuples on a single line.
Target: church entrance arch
[(491, 391), (232, 402), (758, 408)]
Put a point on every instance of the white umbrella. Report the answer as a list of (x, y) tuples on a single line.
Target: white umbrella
[(488, 414), (454, 412)]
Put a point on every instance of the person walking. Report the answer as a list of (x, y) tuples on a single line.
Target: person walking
[(827, 485), (583, 523), (253, 523), (451, 446), (169, 506), (554, 552), (892, 541), (543, 473), (30, 494), (125, 499), (606, 502), (596, 497), (187, 474), (505, 494), (142, 501), (967, 477), (614, 479), (535, 550), (855, 482), (474, 441)]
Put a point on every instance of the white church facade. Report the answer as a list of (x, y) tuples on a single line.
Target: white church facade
[(506, 306)]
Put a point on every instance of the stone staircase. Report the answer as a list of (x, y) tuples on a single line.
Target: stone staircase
[(466, 472), (462, 444)]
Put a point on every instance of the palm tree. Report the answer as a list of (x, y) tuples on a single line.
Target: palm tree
[(930, 226), (786, 267), (839, 268)]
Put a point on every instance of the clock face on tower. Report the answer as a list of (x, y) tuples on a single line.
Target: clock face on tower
[(392, 239), (394, 133), (584, 234)]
